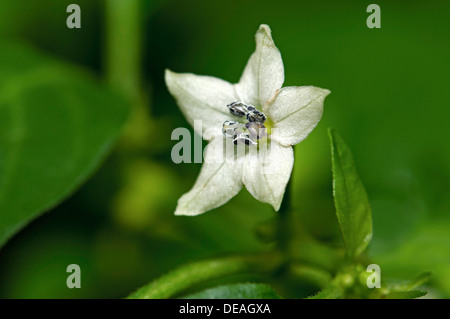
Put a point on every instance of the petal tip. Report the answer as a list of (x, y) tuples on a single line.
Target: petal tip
[(276, 206), (185, 209), (264, 32), (183, 212), (320, 91), (168, 73), (264, 28), (179, 213)]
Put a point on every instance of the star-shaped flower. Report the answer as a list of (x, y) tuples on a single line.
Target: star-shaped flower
[(256, 115)]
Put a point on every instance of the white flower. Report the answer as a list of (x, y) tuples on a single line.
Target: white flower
[(292, 113)]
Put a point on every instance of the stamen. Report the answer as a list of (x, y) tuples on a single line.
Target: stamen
[(244, 139), (232, 128), (255, 116), (245, 133), (256, 130), (238, 109)]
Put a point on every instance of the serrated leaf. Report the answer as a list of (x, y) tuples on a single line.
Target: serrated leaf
[(414, 283), (56, 124), (350, 198), (413, 294), (331, 292), (237, 291), (419, 280)]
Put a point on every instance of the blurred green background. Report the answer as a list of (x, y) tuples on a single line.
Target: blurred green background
[(390, 102)]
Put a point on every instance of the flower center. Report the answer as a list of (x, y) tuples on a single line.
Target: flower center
[(245, 133)]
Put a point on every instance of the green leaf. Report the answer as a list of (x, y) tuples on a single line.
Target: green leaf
[(56, 125), (350, 198), (407, 290), (405, 294), (237, 291), (415, 283), (331, 292)]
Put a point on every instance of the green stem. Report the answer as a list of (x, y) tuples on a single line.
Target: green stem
[(123, 51), (286, 206), (284, 223), (123, 64), (286, 203), (194, 273)]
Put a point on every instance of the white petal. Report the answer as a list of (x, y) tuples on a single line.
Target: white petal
[(266, 174), (218, 182), (296, 111), (202, 98), (264, 73)]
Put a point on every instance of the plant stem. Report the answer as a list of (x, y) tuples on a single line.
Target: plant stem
[(123, 51), (286, 203), (194, 273), (123, 56), (284, 223)]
